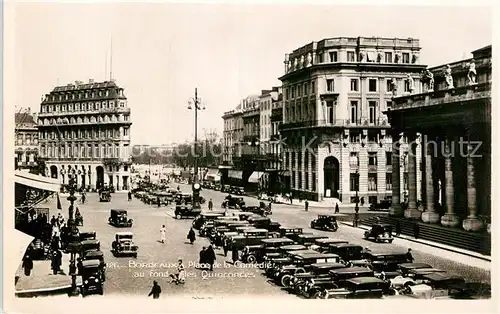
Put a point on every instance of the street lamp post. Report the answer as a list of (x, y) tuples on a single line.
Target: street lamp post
[(195, 104), (74, 233)]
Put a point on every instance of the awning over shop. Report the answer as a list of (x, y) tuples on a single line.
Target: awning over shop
[(36, 181), (255, 177), (213, 175), (235, 174)]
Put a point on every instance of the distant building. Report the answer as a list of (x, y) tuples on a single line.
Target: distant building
[(84, 129), (26, 141), (336, 136), (452, 114)]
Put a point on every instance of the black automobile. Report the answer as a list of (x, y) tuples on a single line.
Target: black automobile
[(186, 211), (118, 218), (386, 261), (97, 256), (322, 245), (237, 190), (262, 209), (87, 235), (92, 279), (383, 205), (200, 219), (327, 222), (105, 196), (351, 254), (233, 202), (258, 253), (380, 233), (89, 245), (290, 232)]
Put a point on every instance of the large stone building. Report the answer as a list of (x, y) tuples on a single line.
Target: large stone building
[(452, 115), (26, 141), (336, 137), (84, 128)]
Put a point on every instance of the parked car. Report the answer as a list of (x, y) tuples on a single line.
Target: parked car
[(351, 254), (359, 288), (322, 244), (326, 222), (92, 278), (233, 202), (89, 245), (186, 211), (308, 239), (387, 261), (104, 196), (383, 205), (124, 244), (87, 235), (202, 217), (119, 218), (380, 233)]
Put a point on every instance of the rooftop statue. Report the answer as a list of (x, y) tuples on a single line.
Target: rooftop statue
[(448, 77), (428, 79), (471, 75)]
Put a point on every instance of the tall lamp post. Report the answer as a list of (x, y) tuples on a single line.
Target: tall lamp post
[(356, 208), (74, 236), (195, 104)]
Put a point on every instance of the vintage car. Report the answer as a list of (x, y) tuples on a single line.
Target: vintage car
[(104, 196), (258, 253), (237, 190), (386, 261), (259, 221), (118, 218), (233, 202), (341, 275), (262, 209), (359, 288), (380, 233), (405, 268), (383, 205), (207, 228), (322, 245), (186, 211), (433, 286), (290, 232), (202, 217), (89, 245), (163, 196), (241, 215), (308, 239), (92, 277), (301, 262), (327, 222), (124, 244), (298, 282), (412, 277), (98, 256), (233, 225), (249, 237), (351, 254), (87, 235)]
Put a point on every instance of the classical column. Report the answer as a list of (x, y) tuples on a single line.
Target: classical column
[(449, 219), (471, 223), (118, 183), (412, 212), (430, 214), (396, 209)]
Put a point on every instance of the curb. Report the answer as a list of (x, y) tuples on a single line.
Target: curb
[(21, 293), (487, 259)]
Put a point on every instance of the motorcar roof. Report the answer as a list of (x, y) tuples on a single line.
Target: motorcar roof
[(277, 240), (311, 236), (292, 247), (119, 211), (259, 218), (330, 215), (89, 241), (441, 276), (351, 270), (94, 253), (257, 230), (91, 263), (124, 233), (365, 280), (426, 270), (382, 225), (328, 265), (414, 265), (330, 241), (314, 255), (211, 214), (345, 245)]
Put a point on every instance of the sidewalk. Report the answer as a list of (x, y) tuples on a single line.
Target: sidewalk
[(456, 254), (42, 279)]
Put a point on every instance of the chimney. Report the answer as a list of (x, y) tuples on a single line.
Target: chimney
[(91, 81)]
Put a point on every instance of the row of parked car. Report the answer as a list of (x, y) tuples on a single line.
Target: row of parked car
[(316, 266), (236, 190), (165, 197)]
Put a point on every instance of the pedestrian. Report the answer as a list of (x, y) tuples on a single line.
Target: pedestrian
[(191, 235), (225, 245), (306, 205), (155, 290), (203, 257), (337, 208), (53, 220), (56, 262), (409, 256), (158, 201), (291, 200), (83, 198), (129, 196), (210, 204), (27, 265), (211, 257), (235, 254), (163, 233), (398, 228), (416, 230), (362, 201)]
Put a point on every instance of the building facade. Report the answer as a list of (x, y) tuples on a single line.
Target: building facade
[(452, 114), (335, 136), (84, 129), (26, 141)]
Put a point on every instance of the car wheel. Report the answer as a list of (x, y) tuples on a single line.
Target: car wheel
[(300, 271), (317, 295), (251, 259), (178, 216), (312, 225), (285, 281)]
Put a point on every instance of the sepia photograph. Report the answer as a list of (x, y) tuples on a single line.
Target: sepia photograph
[(274, 151)]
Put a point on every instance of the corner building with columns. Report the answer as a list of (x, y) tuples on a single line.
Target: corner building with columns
[(336, 138), (84, 128), (452, 115)]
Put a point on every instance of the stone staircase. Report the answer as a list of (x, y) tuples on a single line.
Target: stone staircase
[(479, 242)]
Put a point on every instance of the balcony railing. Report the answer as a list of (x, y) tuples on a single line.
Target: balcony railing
[(83, 112), (85, 123), (380, 122), (448, 96)]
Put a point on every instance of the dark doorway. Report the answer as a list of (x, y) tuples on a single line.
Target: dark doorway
[(53, 172), (99, 177), (332, 176)]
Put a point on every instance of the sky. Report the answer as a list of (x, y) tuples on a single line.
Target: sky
[(163, 51)]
